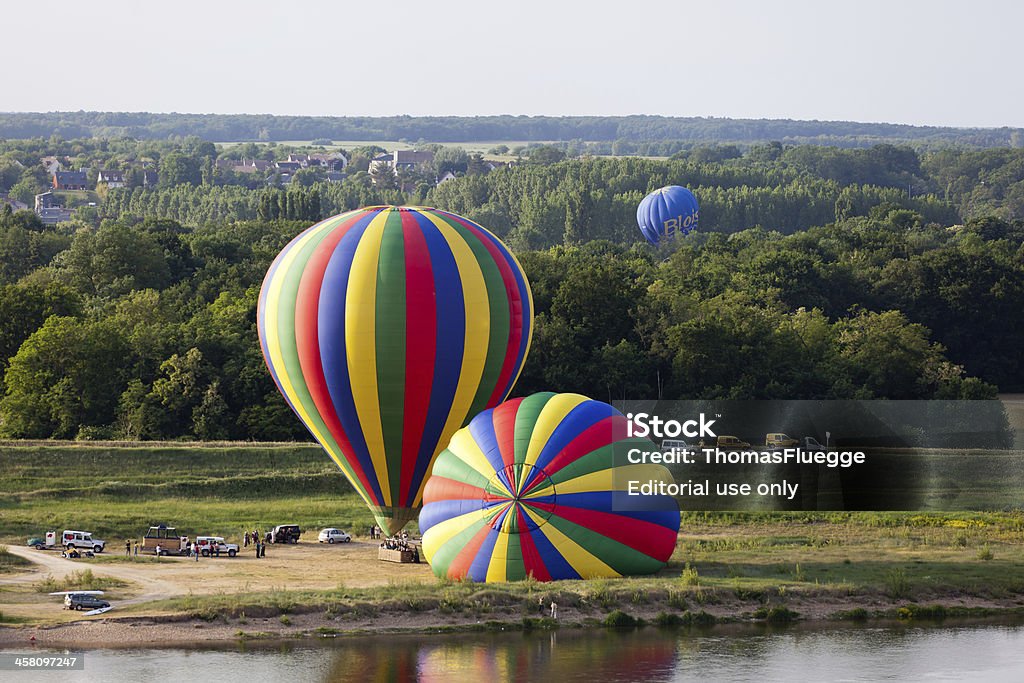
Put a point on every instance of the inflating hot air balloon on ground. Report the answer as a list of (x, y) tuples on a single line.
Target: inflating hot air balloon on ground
[(667, 212), (386, 329), (532, 488)]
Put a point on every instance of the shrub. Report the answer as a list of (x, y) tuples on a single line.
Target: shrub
[(690, 577), (897, 585), (776, 615), (985, 553), (619, 619), (664, 619)]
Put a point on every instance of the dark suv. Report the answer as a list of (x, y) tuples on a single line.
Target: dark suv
[(83, 601), (286, 533)]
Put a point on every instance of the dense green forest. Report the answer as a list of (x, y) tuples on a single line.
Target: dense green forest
[(634, 134), (817, 272)]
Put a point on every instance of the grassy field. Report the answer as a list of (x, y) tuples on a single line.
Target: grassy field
[(117, 492), (727, 564)]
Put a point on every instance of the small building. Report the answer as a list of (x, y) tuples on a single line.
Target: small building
[(251, 166), (288, 166), (54, 215), (46, 200), (52, 164), (149, 178), (445, 177), (69, 180), (112, 179)]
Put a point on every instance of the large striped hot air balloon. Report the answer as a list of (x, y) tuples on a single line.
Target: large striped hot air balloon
[(386, 329), (532, 488)]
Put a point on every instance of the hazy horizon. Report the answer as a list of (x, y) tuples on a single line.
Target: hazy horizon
[(916, 63)]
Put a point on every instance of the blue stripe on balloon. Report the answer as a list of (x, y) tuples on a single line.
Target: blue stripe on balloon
[(333, 354), (558, 567), (660, 510), (524, 297), (578, 420), (478, 568), (482, 429), (451, 340), (441, 510)]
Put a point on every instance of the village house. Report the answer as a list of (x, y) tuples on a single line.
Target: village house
[(69, 180), (112, 179), (52, 164)]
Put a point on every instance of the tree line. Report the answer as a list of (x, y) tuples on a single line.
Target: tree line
[(147, 330), (622, 129)]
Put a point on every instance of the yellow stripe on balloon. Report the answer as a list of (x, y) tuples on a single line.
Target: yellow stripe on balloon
[(551, 415), (477, 338), (585, 564), (443, 532), (497, 568), (361, 345), (276, 326), (465, 447), (612, 479)]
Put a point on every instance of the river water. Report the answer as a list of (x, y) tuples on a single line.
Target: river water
[(990, 653)]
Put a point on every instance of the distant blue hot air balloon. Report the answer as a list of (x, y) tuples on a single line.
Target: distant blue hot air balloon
[(667, 212)]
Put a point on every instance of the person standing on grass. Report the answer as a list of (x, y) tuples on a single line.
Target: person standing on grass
[(263, 550), (158, 551), (257, 544), (136, 548), (128, 548), (554, 610), (195, 549)]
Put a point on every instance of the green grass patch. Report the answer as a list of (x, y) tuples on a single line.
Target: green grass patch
[(9, 562), (83, 579)]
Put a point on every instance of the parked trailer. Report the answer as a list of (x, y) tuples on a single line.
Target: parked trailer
[(167, 538)]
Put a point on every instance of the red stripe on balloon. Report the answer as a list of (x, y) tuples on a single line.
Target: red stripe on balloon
[(504, 420), (598, 435), (648, 538), (307, 343), (443, 488), (420, 347), (461, 563), (515, 312), (532, 562)]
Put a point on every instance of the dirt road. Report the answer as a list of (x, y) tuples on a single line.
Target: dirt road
[(306, 565)]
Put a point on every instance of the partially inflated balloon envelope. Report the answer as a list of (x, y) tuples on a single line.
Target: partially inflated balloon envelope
[(386, 329), (531, 488), (667, 212)]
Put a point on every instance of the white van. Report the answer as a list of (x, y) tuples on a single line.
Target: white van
[(82, 540)]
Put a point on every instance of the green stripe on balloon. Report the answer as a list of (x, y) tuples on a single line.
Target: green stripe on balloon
[(595, 461), (390, 345), (514, 568), (459, 470), (621, 558), (457, 542), (526, 420)]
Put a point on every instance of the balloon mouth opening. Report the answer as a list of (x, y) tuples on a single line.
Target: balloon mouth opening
[(519, 498)]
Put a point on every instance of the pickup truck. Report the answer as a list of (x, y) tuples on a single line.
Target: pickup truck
[(208, 545)]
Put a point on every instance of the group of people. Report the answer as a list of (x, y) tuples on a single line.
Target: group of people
[(401, 542), (254, 537), (131, 548), (376, 532)]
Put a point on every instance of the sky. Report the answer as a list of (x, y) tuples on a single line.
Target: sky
[(900, 61)]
